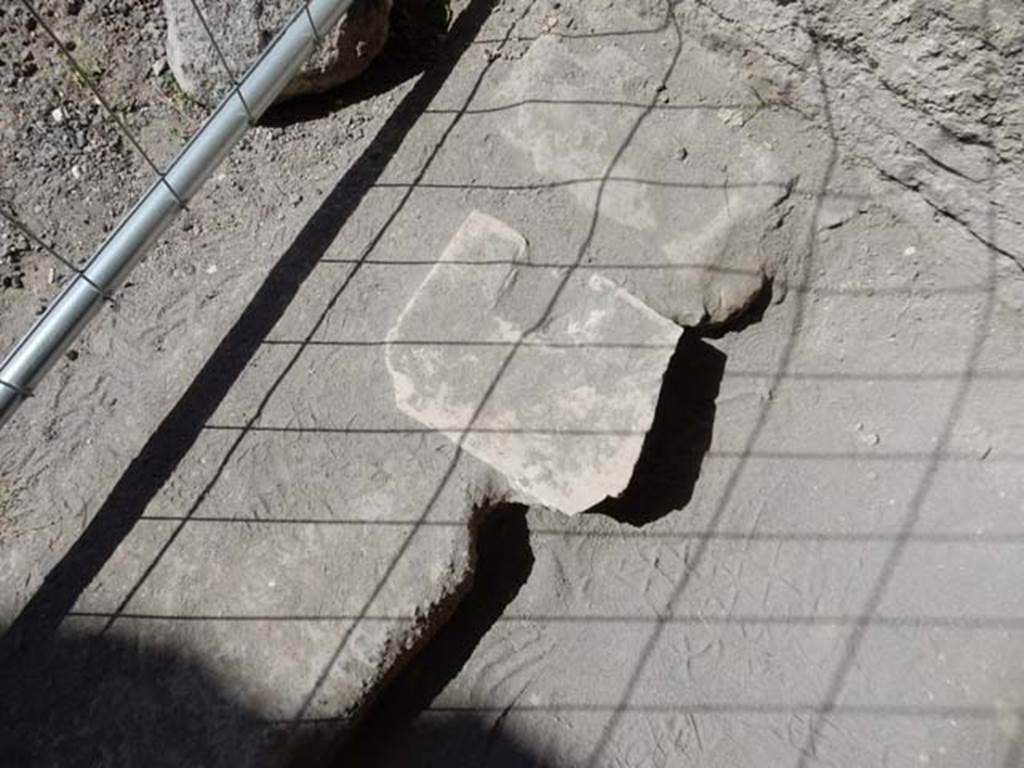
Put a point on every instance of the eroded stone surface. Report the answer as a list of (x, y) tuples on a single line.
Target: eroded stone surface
[(929, 93), (549, 375)]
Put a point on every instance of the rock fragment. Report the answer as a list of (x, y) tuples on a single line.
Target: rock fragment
[(244, 28), (550, 376)]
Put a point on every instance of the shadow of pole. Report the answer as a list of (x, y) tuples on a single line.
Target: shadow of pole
[(173, 438), (401, 60)]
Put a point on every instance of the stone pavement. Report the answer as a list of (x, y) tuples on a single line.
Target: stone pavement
[(841, 586)]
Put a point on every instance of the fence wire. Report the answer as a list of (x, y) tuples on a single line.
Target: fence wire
[(29, 233), (87, 80), (105, 270)]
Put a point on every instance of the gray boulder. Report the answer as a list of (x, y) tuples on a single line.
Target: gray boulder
[(243, 28)]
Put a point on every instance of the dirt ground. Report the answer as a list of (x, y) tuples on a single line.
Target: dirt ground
[(222, 543)]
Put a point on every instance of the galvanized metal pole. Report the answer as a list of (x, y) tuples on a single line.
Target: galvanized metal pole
[(68, 314)]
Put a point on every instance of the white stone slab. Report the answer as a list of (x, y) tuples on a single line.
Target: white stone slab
[(550, 377)]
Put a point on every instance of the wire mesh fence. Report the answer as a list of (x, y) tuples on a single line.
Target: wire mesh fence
[(94, 282), (720, 523)]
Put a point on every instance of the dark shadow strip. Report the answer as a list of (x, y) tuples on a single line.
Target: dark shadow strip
[(173, 438)]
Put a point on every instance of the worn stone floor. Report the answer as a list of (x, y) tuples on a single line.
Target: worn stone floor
[(822, 570)]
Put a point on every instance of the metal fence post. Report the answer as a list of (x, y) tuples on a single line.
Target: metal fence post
[(82, 297)]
